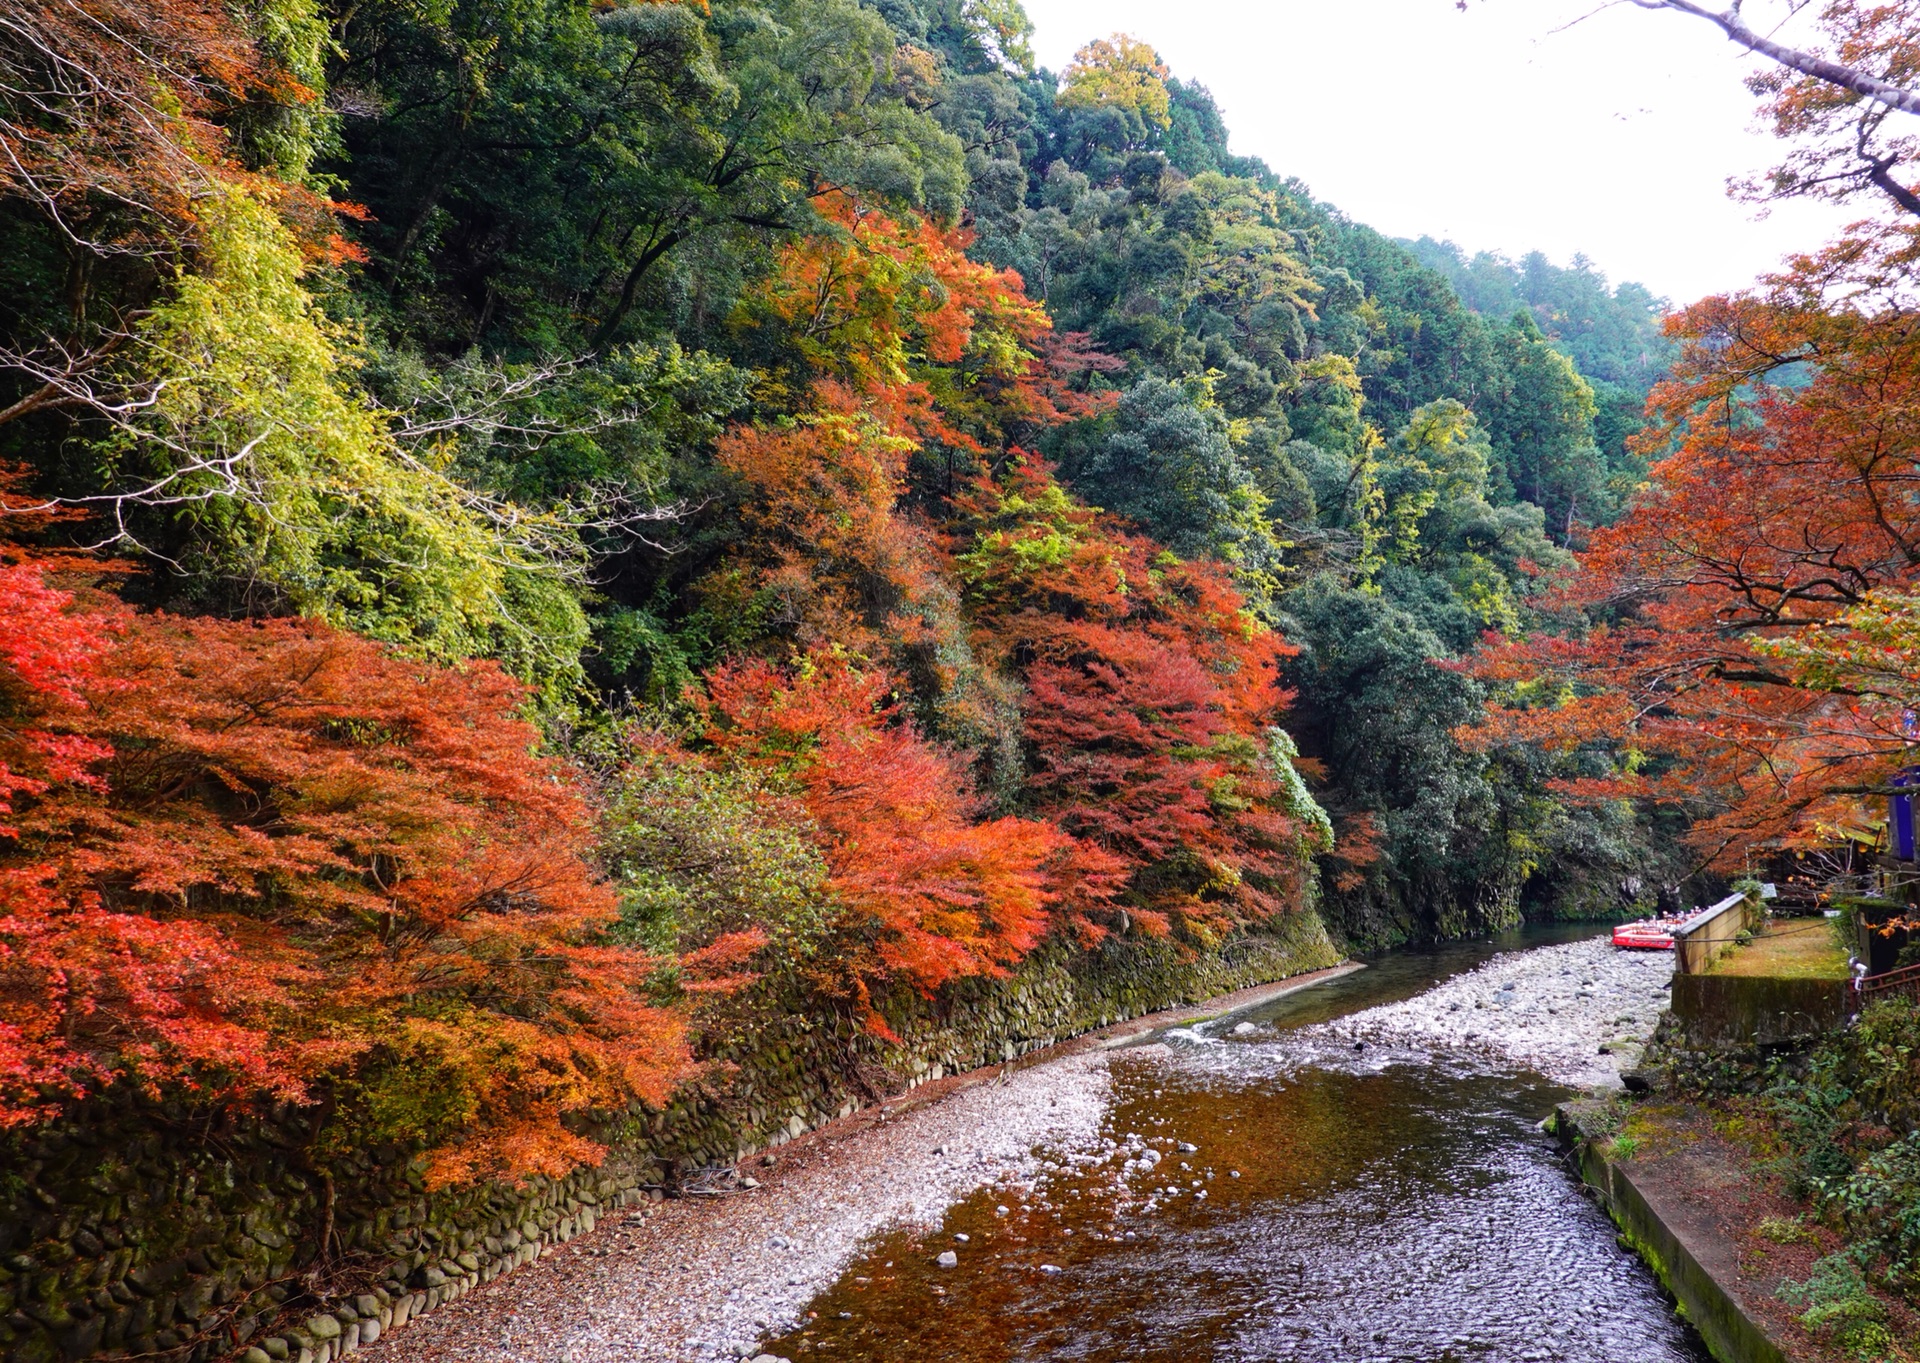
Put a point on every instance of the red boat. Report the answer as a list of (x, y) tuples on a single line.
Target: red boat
[(1649, 934)]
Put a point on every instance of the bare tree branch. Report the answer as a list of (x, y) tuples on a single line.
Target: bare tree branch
[(59, 379), (189, 470), (1851, 78)]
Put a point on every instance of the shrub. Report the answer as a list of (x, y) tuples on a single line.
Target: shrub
[(697, 852), (1838, 1110), (1838, 1305)]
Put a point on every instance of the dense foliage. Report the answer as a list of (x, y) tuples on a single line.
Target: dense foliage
[(612, 501), (270, 859), (1748, 626)]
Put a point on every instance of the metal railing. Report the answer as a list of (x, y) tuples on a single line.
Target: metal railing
[(1889, 984)]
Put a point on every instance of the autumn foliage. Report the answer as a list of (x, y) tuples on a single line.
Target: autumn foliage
[(943, 891), (271, 861), (120, 117), (123, 105), (275, 861), (832, 549), (938, 347), (903, 345), (1148, 795), (1744, 599), (1150, 690)]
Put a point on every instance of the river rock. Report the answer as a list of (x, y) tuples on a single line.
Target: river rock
[(948, 1259), (1549, 1009)]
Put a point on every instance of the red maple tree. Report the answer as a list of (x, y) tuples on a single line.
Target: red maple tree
[(1150, 689), (274, 860)]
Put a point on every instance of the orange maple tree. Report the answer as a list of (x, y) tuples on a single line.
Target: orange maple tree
[(904, 345), (1148, 684), (118, 116), (113, 106), (832, 544), (938, 346), (1782, 508)]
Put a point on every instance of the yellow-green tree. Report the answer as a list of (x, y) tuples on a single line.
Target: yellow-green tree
[(1120, 73), (238, 414)]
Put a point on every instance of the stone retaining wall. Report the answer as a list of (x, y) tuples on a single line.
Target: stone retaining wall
[(1746, 1011), (147, 1229)]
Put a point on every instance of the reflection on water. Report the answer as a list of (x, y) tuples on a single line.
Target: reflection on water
[(1336, 1205)]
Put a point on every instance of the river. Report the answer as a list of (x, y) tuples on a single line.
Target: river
[(1336, 1204)]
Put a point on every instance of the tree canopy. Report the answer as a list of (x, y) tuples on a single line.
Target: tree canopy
[(525, 519)]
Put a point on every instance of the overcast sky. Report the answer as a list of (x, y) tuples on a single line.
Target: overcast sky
[(1614, 137)]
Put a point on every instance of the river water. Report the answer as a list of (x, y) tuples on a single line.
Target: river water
[(1337, 1205)]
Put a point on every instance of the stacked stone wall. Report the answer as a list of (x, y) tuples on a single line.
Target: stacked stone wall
[(144, 1229)]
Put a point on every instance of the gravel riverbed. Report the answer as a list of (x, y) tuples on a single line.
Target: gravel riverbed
[(700, 1279), (703, 1278), (1551, 1009)]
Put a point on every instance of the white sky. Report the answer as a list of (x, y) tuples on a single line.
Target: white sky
[(1615, 137)]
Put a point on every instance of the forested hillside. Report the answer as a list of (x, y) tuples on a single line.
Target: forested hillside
[(525, 515), (1612, 333)]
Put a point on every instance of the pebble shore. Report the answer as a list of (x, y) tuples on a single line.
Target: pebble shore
[(703, 1278), (1579, 1013)]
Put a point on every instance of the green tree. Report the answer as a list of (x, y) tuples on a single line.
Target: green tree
[(1433, 479), (1611, 332), (533, 165), (1540, 420), (1165, 460), (244, 447), (1377, 707)]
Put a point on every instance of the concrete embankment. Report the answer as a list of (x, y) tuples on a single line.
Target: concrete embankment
[(1667, 1210)]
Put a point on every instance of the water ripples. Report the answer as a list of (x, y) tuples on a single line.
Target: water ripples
[(1272, 1195)]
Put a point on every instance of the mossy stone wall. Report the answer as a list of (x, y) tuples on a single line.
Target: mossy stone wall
[(1721, 1011)]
